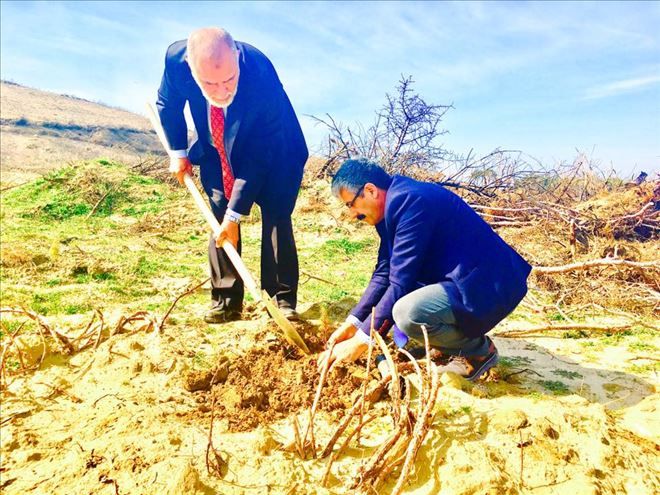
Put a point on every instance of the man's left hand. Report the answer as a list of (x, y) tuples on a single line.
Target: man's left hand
[(229, 231), (345, 351)]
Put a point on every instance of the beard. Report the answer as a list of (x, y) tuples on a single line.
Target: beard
[(220, 103), (213, 101)]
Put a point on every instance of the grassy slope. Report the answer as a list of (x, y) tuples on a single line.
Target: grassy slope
[(144, 242)]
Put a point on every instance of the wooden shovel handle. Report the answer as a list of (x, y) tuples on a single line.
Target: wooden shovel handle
[(203, 206), (235, 258)]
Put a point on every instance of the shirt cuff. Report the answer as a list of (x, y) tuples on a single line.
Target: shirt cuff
[(363, 337), (178, 153), (232, 216), (353, 320)]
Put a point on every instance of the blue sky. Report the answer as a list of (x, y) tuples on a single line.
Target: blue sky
[(545, 78)]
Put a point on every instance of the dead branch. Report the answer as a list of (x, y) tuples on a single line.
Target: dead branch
[(100, 201), (522, 446), (310, 426), (350, 414), (5, 348), (418, 370), (300, 446), (147, 320), (92, 335), (342, 447), (368, 365), (41, 322), (593, 263), (180, 296), (12, 186), (634, 216), (514, 373), (394, 384), (100, 331), (421, 429), (314, 277), (551, 328), (215, 465), (638, 358), (394, 459), (371, 469)]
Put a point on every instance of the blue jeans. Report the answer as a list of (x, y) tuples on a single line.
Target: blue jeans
[(430, 306)]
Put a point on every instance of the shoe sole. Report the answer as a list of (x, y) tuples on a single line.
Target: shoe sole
[(218, 321), (485, 366)]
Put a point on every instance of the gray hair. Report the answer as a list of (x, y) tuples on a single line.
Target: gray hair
[(355, 173), (208, 43)]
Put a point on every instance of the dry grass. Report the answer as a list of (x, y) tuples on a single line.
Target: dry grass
[(41, 131)]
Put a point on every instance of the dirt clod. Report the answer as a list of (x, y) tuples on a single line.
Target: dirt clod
[(271, 383)]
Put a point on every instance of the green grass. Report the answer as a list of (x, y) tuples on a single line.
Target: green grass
[(64, 261), (642, 347), (333, 248), (97, 261), (514, 361), (556, 387), (571, 375), (645, 369)]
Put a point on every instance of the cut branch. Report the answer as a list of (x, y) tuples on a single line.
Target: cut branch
[(584, 265)]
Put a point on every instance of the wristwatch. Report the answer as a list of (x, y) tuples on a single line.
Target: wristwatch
[(233, 216)]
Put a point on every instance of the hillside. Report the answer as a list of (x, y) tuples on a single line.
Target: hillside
[(111, 383), (40, 131)]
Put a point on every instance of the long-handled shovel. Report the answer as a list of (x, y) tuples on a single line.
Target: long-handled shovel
[(289, 332)]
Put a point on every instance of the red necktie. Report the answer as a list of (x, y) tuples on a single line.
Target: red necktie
[(218, 133)]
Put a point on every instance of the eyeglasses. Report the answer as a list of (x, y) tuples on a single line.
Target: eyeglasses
[(352, 201)]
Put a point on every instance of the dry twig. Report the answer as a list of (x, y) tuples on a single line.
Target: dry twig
[(584, 265), (215, 465), (550, 328), (368, 365), (421, 429), (41, 322), (161, 325), (310, 426)]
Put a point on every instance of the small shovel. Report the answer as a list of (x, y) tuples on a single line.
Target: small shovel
[(289, 332)]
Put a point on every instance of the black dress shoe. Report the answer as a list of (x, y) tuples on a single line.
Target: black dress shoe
[(289, 313), (222, 315)]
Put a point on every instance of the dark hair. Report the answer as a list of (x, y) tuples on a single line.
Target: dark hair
[(355, 173)]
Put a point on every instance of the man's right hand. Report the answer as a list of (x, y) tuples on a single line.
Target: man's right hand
[(345, 331), (179, 167)]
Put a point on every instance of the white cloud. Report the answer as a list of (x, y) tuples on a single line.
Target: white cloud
[(619, 87)]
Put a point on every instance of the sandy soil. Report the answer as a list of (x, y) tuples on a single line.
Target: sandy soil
[(134, 417)]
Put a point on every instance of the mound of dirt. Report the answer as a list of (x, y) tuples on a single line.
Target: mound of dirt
[(271, 383)]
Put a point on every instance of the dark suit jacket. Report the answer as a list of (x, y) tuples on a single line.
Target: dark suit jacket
[(263, 138), (430, 235)]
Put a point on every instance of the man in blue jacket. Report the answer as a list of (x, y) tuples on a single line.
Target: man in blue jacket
[(439, 266), (250, 149)]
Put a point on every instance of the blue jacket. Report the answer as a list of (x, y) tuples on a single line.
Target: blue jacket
[(263, 138), (430, 235)]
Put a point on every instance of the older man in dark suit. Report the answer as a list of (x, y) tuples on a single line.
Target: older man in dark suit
[(439, 266), (250, 149)]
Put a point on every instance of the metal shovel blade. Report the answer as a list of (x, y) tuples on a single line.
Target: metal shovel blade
[(289, 332)]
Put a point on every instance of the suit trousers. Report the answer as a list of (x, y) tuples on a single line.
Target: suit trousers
[(279, 257), (430, 307)]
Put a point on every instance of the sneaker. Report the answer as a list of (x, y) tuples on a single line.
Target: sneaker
[(222, 315), (472, 367)]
